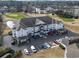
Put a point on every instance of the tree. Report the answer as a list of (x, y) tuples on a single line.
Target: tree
[(17, 54)]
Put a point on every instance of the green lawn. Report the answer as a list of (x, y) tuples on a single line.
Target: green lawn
[(61, 17), (16, 15), (66, 19), (50, 15)]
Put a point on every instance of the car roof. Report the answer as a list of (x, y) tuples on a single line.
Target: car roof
[(32, 46), (26, 50)]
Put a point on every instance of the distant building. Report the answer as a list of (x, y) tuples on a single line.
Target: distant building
[(50, 9), (71, 10), (39, 10), (43, 9), (76, 11)]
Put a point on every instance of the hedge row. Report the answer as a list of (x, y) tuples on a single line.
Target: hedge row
[(61, 46)]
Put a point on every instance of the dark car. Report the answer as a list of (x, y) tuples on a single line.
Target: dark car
[(56, 42), (62, 31), (45, 46)]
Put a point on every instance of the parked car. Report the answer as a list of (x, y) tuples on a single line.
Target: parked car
[(48, 45), (13, 42), (26, 51), (59, 40), (62, 31), (51, 33), (33, 49), (56, 42), (45, 46)]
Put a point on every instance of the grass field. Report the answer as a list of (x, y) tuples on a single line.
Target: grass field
[(50, 15), (66, 19), (72, 28), (63, 18), (15, 15)]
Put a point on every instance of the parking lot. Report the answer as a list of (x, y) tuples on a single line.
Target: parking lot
[(35, 42)]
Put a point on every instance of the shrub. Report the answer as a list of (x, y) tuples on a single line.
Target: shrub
[(77, 44), (7, 55), (3, 51), (14, 41), (17, 54), (61, 46), (76, 17), (74, 41), (10, 33), (1, 40)]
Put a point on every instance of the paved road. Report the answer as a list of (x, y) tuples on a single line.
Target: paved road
[(72, 51), (36, 15)]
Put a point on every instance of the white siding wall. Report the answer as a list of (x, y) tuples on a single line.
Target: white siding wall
[(30, 29), (25, 32), (37, 29), (45, 27)]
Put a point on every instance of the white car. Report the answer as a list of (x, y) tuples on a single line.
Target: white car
[(48, 45), (33, 48), (26, 51)]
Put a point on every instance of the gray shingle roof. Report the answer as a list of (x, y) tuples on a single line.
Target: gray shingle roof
[(30, 22)]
